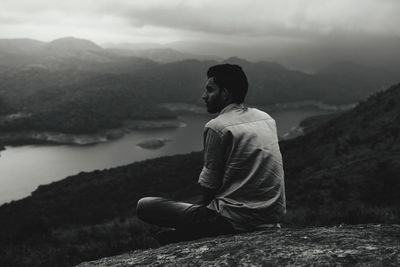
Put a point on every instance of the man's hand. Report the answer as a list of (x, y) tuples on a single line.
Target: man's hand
[(208, 194)]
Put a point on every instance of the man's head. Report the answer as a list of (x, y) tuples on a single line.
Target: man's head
[(226, 84)]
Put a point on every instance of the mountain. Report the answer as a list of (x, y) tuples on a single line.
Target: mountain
[(133, 46), (65, 53), (15, 53), (71, 101), (157, 52), (352, 168), (354, 80), (346, 170), (270, 82), (19, 46), (81, 49), (81, 54), (161, 55), (382, 52), (72, 44)]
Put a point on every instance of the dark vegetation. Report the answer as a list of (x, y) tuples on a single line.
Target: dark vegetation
[(344, 170), (71, 102), (352, 168), (5, 108)]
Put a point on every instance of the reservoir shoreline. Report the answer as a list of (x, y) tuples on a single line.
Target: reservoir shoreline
[(57, 138), (13, 139)]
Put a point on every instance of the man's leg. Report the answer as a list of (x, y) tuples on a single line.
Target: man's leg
[(190, 221)]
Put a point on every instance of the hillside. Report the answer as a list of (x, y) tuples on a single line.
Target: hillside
[(346, 170), (270, 82), (161, 55), (352, 168), (345, 77), (361, 245), (64, 54), (15, 53), (84, 102)]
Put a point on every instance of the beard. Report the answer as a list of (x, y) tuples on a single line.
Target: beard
[(216, 105)]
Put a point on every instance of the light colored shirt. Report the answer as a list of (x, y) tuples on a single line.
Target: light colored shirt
[(243, 161)]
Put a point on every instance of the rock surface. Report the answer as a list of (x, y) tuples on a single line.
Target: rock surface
[(358, 245)]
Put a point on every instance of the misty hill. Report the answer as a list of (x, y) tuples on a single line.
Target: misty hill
[(65, 53), (85, 55), (354, 160), (269, 83), (72, 44), (74, 101), (345, 77), (19, 46), (346, 170), (17, 52), (382, 52), (162, 55)]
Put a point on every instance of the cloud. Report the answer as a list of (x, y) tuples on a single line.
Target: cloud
[(266, 17), (256, 28), (255, 18)]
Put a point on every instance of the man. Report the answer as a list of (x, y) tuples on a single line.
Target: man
[(242, 178)]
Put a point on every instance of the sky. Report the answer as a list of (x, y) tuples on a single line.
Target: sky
[(274, 29)]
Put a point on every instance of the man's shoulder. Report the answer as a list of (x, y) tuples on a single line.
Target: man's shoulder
[(233, 117), (215, 124), (260, 113)]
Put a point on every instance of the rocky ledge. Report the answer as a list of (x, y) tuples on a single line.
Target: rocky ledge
[(360, 245)]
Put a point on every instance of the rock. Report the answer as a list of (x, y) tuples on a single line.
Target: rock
[(361, 245)]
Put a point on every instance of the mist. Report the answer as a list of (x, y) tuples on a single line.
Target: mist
[(306, 35)]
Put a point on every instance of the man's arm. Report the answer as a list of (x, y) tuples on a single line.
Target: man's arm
[(210, 179), (207, 194)]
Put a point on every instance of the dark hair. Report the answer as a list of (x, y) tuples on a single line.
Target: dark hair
[(231, 77)]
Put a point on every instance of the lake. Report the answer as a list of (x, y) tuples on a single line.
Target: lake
[(24, 168)]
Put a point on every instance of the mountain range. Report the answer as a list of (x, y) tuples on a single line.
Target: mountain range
[(81, 54), (76, 81), (64, 53)]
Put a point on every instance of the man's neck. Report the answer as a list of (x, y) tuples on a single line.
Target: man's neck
[(230, 107)]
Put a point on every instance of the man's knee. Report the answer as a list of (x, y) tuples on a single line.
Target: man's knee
[(145, 206)]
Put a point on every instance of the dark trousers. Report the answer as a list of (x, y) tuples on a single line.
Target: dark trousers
[(190, 221)]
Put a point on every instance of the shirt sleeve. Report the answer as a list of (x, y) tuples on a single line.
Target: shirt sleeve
[(213, 169)]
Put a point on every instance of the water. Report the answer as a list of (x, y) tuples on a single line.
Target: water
[(23, 168)]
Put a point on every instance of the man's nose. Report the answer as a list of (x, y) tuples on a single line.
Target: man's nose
[(204, 96)]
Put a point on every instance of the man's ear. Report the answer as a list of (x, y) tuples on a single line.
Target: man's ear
[(226, 94)]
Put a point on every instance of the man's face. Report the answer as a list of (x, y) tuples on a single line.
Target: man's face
[(212, 97)]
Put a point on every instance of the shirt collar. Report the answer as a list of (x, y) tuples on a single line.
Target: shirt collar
[(231, 107)]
